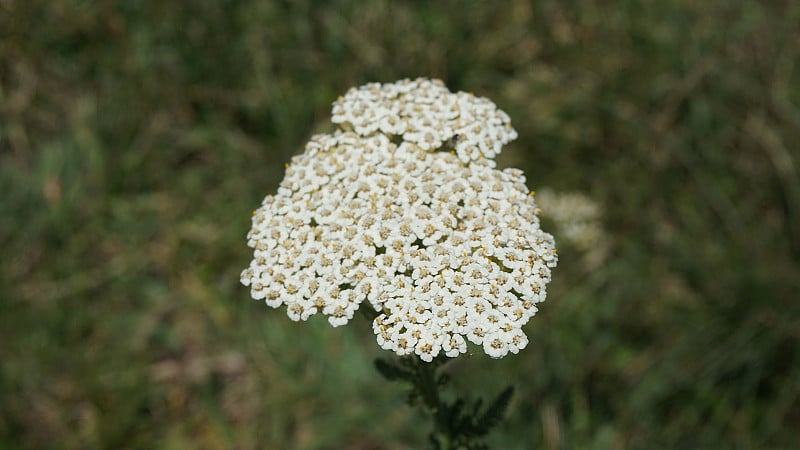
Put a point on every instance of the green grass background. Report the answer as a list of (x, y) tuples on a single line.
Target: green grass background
[(137, 136)]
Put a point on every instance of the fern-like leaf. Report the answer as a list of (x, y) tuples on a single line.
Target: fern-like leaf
[(494, 413), (392, 372)]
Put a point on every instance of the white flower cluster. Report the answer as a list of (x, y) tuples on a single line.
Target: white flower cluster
[(446, 249), (425, 113)]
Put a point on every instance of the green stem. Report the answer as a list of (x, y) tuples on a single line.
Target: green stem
[(456, 425), (427, 385)]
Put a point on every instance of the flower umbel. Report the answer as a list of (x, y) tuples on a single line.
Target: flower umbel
[(403, 207)]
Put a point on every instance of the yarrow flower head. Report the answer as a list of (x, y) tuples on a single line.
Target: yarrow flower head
[(423, 112), (402, 207)]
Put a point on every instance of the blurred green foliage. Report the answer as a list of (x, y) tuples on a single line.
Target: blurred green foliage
[(137, 136)]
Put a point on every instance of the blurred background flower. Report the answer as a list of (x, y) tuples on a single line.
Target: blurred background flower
[(578, 222), (135, 138)]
